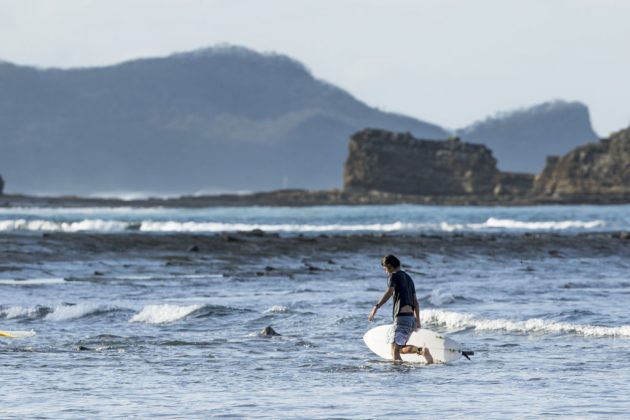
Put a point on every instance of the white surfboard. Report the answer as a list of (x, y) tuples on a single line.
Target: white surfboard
[(442, 348), (17, 334)]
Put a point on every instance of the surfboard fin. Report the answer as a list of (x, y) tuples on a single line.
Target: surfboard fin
[(467, 353)]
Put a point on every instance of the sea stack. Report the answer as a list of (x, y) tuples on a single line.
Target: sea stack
[(595, 170), (398, 163)]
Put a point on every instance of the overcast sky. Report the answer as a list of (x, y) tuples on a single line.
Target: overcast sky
[(449, 62)]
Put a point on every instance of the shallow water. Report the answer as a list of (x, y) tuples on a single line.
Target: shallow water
[(132, 337)]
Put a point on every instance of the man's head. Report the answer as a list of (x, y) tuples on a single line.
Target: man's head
[(390, 263)]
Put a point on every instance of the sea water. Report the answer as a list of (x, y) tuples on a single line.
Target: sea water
[(318, 219), (551, 335)]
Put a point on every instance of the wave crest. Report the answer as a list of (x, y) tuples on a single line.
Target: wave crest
[(165, 313), (67, 312)]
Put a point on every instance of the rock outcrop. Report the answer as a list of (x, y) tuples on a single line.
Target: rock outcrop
[(1, 185), (594, 170), (399, 163)]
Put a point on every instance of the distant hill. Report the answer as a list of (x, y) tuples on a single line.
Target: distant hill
[(218, 119), (521, 140)]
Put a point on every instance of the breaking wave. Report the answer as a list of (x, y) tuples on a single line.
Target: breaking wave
[(455, 320), (32, 282), (16, 312), (67, 312), (165, 313), (510, 224), (63, 312), (87, 225), (116, 226)]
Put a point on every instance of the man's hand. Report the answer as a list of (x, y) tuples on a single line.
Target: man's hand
[(418, 324), (372, 313)]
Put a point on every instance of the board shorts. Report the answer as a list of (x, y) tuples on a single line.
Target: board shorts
[(400, 332)]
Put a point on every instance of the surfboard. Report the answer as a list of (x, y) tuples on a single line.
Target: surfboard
[(17, 334), (442, 348)]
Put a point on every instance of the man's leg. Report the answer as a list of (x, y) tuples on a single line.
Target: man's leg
[(422, 351), (395, 349)]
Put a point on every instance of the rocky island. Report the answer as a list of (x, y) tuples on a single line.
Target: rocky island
[(398, 163)]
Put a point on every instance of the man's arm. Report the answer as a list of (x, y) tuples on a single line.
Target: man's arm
[(416, 311), (388, 293)]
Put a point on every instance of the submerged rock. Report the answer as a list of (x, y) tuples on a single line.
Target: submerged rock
[(268, 332)]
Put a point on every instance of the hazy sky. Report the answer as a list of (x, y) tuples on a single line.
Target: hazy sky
[(449, 62)]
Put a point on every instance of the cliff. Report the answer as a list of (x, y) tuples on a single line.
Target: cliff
[(399, 163), (594, 170), (520, 140)]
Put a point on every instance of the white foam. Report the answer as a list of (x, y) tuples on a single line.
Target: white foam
[(67, 312), (277, 309), (30, 282), (87, 225), (455, 320), (173, 226), (510, 224), (160, 314), (18, 312), (166, 276), (113, 226)]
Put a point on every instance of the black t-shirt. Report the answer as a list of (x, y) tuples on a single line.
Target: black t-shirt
[(404, 291)]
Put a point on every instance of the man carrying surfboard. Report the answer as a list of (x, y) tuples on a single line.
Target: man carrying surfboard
[(406, 311)]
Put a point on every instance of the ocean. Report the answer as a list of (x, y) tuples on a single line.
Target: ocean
[(131, 322)]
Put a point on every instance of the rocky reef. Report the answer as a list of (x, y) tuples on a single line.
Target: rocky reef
[(595, 170), (399, 163)]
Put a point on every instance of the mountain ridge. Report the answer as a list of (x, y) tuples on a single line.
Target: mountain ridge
[(216, 118)]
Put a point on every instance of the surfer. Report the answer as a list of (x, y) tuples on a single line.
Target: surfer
[(406, 311)]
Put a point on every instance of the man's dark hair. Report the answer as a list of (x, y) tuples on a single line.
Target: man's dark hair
[(390, 260)]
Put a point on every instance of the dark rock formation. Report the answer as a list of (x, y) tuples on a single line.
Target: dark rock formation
[(268, 331), (521, 139), (219, 119), (513, 184), (597, 169), (1, 185), (398, 163)]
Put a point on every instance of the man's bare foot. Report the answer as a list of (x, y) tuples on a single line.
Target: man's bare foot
[(424, 352)]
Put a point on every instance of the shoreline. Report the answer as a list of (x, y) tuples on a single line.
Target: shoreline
[(303, 198)]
